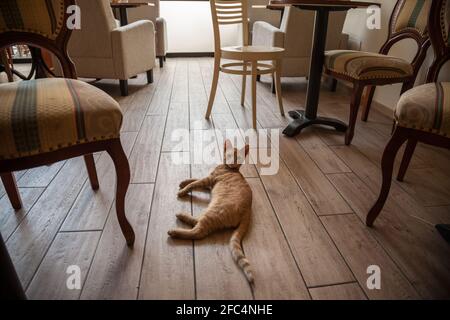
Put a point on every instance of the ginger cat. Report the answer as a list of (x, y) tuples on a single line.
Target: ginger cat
[(230, 206)]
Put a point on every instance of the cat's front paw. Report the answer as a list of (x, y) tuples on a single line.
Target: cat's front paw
[(182, 193), (171, 233)]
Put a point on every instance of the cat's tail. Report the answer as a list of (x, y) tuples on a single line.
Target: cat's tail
[(236, 248)]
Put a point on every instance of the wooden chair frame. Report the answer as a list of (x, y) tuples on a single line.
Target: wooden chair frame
[(4, 61), (227, 12), (423, 43), (413, 136), (112, 146)]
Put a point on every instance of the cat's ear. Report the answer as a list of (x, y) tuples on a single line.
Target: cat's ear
[(227, 146)]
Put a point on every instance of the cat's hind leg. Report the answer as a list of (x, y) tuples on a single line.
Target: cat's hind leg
[(196, 233), (188, 219)]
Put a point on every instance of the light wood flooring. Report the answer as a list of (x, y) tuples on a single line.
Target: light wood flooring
[(307, 239)]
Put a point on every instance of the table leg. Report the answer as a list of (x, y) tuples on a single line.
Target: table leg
[(303, 119), (10, 286), (123, 16)]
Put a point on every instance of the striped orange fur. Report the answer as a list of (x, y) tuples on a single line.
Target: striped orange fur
[(230, 206)]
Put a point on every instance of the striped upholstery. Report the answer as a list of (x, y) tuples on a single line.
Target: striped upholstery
[(413, 14), (44, 115), (46, 17), (366, 65), (426, 108)]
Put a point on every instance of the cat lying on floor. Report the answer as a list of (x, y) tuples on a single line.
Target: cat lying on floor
[(230, 206)]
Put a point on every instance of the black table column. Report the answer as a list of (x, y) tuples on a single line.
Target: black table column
[(307, 117), (123, 16)]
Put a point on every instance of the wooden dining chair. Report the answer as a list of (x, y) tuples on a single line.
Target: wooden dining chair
[(49, 120), (422, 113), (366, 69), (235, 12)]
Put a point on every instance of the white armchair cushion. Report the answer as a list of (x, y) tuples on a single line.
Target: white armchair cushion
[(264, 34), (133, 48)]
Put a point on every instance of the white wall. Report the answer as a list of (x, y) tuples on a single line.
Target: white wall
[(189, 27), (372, 40)]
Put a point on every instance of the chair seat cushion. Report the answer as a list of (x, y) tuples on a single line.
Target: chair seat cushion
[(366, 65), (44, 115), (426, 108)]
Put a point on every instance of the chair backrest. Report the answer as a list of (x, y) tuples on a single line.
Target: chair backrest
[(439, 26), (409, 19), (94, 37), (410, 16), (39, 23), (228, 12)]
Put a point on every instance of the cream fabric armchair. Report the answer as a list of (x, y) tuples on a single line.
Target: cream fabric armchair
[(152, 13), (101, 49), (296, 60)]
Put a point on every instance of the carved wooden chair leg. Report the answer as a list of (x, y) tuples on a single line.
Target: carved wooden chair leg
[(409, 151), (92, 172), (367, 102), (9, 181), (122, 166), (215, 81), (354, 107), (244, 83), (387, 166)]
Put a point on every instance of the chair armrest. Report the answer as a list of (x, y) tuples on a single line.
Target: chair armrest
[(264, 34), (133, 48), (161, 37)]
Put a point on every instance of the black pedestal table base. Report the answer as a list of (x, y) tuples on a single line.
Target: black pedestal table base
[(301, 121)]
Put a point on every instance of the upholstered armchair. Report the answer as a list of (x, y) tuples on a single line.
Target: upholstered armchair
[(101, 49), (152, 14), (256, 14), (423, 112), (296, 60)]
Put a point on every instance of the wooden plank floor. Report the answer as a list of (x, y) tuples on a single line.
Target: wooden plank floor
[(307, 239)]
